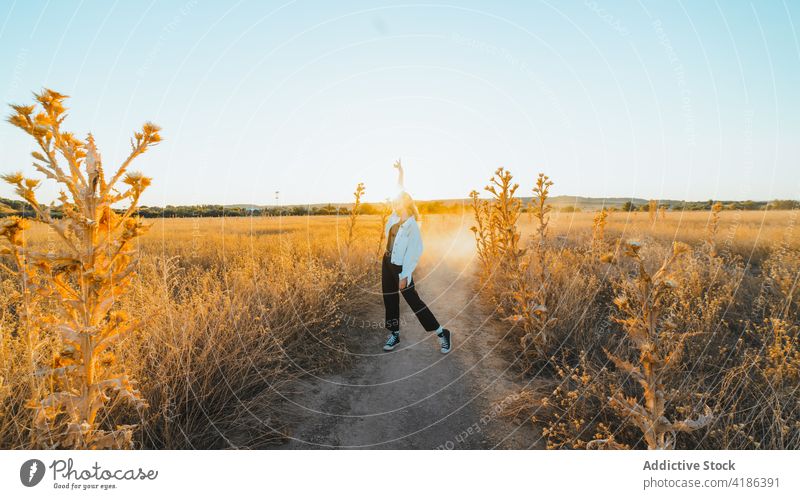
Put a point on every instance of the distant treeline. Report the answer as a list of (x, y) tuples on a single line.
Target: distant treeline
[(13, 207), (778, 204), (428, 207), (215, 210)]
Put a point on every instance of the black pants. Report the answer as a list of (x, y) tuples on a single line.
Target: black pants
[(390, 283)]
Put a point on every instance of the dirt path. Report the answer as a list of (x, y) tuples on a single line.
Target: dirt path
[(415, 397)]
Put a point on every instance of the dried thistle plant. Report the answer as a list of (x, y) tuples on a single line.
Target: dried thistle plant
[(599, 223), (386, 210), (507, 269), (652, 209), (694, 314), (32, 318), (529, 311), (496, 234), (643, 303), (529, 303), (541, 212), (86, 276), (484, 237), (782, 352), (498, 237), (354, 213), (712, 229), (505, 213)]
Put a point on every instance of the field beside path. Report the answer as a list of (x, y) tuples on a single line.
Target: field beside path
[(266, 332)]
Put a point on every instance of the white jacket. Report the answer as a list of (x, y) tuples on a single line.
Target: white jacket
[(407, 246)]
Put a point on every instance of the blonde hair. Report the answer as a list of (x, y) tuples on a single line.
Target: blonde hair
[(407, 202)]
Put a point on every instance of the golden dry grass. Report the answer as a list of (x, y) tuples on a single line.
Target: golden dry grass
[(748, 233), (645, 347), (231, 310), (234, 308)]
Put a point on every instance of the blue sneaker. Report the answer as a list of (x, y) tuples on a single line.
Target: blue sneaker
[(444, 341), (392, 341)]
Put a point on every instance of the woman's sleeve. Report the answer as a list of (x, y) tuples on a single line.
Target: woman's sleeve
[(389, 222), (413, 253)]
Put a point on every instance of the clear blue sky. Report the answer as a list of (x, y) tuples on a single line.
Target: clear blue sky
[(652, 99)]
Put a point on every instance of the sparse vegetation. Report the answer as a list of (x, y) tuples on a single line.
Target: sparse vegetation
[(182, 348), (644, 331), (643, 302), (699, 353), (509, 268)]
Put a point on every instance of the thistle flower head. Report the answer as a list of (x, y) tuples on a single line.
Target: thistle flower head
[(12, 228), (679, 248), (632, 248), (15, 178), (137, 181), (22, 110), (150, 132)]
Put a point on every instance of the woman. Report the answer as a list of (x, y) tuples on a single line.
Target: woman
[(403, 249)]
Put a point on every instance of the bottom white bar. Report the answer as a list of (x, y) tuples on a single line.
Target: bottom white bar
[(405, 474)]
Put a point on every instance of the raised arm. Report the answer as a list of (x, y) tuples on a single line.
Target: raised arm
[(400, 179)]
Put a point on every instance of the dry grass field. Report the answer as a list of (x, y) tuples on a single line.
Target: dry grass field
[(230, 309), (234, 309), (655, 330), (749, 234), (647, 330)]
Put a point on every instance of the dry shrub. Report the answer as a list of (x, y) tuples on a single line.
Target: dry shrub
[(727, 337), (758, 394), (516, 279), (575, 293), (484, 236), (228, 330), (579, 393), (541, 213), (644, 303), (219, 345), (17, 359), (497, 237), (82, 281)]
